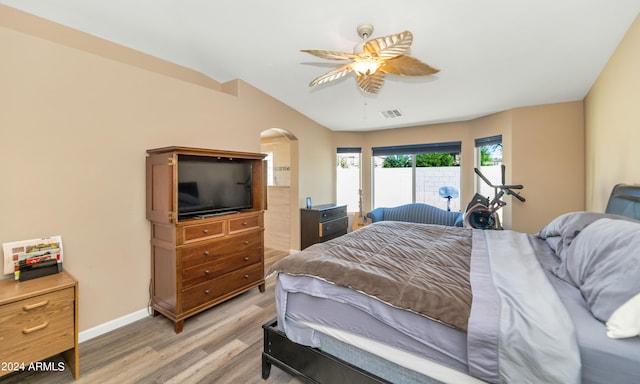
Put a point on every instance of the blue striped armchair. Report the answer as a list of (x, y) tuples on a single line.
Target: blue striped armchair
[(417, 213)]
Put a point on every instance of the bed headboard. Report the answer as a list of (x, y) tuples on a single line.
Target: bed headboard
[(625, 201)]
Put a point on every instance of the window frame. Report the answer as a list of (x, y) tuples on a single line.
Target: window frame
[(350, 150), (411, 150)]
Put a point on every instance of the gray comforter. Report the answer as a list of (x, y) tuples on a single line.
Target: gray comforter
[(421, 268), (517, 328)]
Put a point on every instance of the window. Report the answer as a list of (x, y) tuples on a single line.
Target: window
[(348, 180), (489, 162), (417, 173)]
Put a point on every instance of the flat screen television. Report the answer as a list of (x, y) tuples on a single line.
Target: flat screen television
[(209, 186)]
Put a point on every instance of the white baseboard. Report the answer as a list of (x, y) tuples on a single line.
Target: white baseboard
[(112, 325)]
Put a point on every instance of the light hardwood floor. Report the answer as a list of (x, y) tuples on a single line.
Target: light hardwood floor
[(221, 345)]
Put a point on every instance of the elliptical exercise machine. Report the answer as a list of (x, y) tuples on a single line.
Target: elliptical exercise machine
[(482, 213)]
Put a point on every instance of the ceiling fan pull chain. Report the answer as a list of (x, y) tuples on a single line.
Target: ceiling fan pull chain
[(364, 109)]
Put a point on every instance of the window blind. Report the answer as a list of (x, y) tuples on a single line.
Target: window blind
[(491, 140), (349, 150), (446, 147)]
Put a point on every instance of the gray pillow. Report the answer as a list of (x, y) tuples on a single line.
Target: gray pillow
[(561, 231), (603, 261)]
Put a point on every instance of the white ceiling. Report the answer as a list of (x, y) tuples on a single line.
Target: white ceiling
[(493, 55)]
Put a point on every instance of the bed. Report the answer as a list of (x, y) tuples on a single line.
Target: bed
[(402, 302)]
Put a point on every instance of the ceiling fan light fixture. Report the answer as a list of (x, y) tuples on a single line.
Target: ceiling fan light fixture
[(372, 59), (365, 67)]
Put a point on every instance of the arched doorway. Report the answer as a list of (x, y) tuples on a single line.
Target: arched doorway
[(281, 226)]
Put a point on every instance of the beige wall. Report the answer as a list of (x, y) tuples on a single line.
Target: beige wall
[(548, 158), (543, 150), (77, 115), (612, 120)]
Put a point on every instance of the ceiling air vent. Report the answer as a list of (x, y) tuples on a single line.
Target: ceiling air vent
[(391, 114)]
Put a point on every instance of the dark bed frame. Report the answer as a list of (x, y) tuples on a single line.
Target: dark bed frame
[(309, 364), (314, 366)]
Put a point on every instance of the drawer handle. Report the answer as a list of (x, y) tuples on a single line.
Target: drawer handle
[(245, 223), (246, 276), (246, 258), (246, 242), (26, 331), (206, 253), (206, 291), (36, 305), (207, 272), (206, 231)]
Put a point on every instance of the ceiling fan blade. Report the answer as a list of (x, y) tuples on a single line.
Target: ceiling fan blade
[(407, 66), (387, 47), (371, 83), (331, 55), (335, 74)]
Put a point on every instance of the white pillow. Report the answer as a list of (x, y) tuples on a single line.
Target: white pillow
[(625, 321)]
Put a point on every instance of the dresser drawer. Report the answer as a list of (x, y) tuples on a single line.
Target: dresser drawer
[(38, 327), (195, 255), (203, 231), (328, 228), (330, 214), (213, 289), (244, 223), (220, 266)]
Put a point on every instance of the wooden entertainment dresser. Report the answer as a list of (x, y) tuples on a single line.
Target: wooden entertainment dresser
[(198, 262)]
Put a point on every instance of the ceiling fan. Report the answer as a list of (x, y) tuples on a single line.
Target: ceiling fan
[(372, 59)]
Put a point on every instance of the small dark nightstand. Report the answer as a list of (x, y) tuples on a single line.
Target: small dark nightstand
[(321, 223)]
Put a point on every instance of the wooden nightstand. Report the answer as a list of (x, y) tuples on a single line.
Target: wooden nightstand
[(39, 319)]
